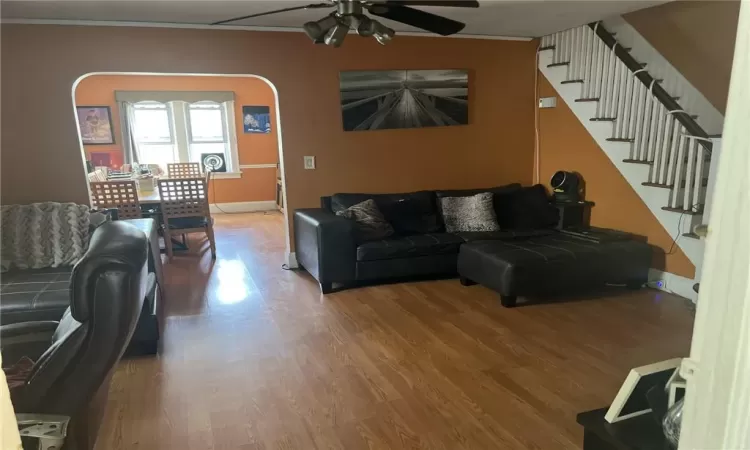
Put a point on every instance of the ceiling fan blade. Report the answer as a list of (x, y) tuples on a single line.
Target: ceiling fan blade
[(417, 18), (450, 3), (294, 8)]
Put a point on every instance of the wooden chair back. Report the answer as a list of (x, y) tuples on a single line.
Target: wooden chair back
[(122, 195), (184, 197), (184, 170)]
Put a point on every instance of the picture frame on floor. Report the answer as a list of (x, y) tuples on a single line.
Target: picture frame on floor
[(631, 400)]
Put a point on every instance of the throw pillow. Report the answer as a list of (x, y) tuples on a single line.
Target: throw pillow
[(370, 223), (475, 213), (501, 198)]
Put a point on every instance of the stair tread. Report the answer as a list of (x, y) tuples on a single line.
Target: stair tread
[(571, 81), (638, 161), (547, 47), (691, 235), (558, 64), (603, 119), (593, 99), (620, 140), (684, 211)]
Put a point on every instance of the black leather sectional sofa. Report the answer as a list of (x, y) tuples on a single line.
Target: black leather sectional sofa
[(528, 256)]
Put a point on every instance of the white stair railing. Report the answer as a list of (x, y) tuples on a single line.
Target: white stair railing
[(657, 133)]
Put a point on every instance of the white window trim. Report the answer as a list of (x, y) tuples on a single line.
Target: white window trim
[(233, 158)]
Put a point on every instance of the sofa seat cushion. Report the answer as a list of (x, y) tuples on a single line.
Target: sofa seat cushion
[(409, 246), (503, 235), (34, 294)]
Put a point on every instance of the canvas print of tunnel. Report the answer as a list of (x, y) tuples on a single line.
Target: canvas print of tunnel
[(385, 99)]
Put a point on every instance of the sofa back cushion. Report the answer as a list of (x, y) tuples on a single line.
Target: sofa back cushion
[(528, 209), (408, 213)]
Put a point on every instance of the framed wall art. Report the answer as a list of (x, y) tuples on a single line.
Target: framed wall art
[(96, 125)]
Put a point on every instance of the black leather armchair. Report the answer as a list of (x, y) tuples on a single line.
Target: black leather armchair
[(325, 246), (76, 357)]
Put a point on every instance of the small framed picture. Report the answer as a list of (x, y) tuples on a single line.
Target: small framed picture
[(96, 125), (256, 119), (631, 400)]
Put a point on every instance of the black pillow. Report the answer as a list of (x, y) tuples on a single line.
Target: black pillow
[(407, 217), (409, 213), (528, 209)]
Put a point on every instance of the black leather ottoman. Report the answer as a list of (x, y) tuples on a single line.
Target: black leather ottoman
[(552, 265)]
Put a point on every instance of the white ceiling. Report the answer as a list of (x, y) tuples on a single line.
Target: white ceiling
[(530, 18)]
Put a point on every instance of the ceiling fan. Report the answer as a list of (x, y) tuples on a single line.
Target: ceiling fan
[(349, 15)]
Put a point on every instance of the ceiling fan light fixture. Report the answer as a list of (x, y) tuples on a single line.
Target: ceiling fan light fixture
[(382, 33), (337, 34), (317, 30), (366, 26)]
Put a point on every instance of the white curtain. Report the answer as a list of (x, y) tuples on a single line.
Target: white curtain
[(127, 121)]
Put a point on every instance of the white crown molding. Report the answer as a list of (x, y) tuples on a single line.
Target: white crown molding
[(257, 166), (195, 26)]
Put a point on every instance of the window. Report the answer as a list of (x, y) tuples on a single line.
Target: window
[(153, 133), (178, 131), (207, 129)]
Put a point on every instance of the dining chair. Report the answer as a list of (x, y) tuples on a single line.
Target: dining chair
[(184, 170), (122, 195), (184, 208)]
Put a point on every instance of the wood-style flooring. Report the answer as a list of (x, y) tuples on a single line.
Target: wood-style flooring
[(254, 357)]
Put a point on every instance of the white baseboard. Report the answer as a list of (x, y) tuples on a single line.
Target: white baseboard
[(240, 207), (291, 260), (675, 284)]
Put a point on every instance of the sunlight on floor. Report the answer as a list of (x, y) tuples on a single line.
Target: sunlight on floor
[(233, 283)]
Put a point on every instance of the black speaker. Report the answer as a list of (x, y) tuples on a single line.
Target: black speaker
[(213, 162), (567, 187)]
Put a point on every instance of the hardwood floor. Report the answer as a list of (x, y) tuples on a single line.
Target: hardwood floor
[(254, 357)]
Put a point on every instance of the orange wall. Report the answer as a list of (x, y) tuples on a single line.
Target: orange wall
[(255, 184), (40, 63), (697, 38), (565, 144)]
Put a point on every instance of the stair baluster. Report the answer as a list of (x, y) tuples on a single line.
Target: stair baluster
[(641, 111)]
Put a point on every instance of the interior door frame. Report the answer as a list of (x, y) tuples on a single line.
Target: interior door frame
[(717, 403)]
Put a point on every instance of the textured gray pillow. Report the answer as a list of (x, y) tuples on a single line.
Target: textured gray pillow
[(370, 223), (475, 213)]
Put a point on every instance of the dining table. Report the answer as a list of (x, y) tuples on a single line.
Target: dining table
[(149, 197)]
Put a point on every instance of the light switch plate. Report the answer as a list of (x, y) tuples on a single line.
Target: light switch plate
[(309, 162), (548, 102)]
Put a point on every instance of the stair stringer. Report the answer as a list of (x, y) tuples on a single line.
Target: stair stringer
[(635, 174)]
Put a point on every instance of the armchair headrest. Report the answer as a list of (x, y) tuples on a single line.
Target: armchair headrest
[(114, 246)]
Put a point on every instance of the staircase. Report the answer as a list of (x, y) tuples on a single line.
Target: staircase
[(659, 147)]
